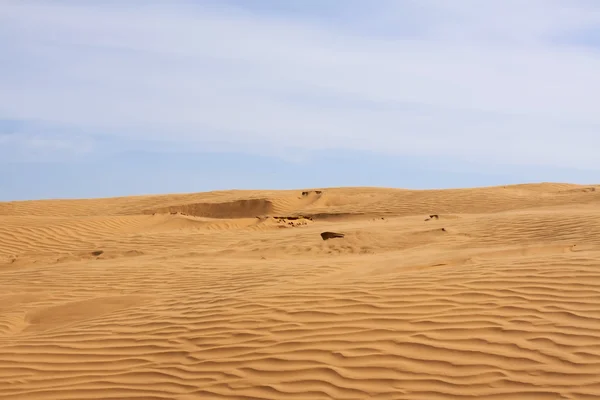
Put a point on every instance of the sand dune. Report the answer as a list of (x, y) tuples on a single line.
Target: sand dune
[(208, 296)]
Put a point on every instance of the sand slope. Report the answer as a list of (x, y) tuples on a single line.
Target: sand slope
[(193, 297)]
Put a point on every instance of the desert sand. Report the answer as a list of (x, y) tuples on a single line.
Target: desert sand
[(487, 293)]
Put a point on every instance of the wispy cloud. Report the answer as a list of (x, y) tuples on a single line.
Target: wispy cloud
[(28, 141), (495, 82)]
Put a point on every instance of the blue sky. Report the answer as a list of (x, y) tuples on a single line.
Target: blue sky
[(105, 98)]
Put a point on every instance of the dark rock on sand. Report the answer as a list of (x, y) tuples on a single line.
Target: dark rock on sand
[(331, 235)]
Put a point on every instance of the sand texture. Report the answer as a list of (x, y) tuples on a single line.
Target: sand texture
[(488, 293)]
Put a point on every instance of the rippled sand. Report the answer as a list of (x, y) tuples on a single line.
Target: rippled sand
[(194, 297)]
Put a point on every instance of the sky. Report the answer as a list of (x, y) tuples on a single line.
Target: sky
[(125, 97)]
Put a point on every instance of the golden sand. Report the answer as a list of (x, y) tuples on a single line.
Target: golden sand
[(192, 296)]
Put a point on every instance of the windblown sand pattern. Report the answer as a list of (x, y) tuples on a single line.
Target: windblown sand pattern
[(194, 297)]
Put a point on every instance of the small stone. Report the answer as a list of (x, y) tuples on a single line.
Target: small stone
[(331, 235)]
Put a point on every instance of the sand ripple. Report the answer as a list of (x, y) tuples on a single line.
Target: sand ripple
[(503, 304)]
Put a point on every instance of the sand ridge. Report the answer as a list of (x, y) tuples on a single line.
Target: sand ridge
[(210, 296)]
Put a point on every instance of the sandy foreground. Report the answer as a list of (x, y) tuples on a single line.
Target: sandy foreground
[(193, 297)]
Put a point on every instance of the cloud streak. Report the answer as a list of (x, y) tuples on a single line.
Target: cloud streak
[(501, 82)]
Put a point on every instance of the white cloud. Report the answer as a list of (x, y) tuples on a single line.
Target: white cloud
[(493, 81), (40, 147)]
